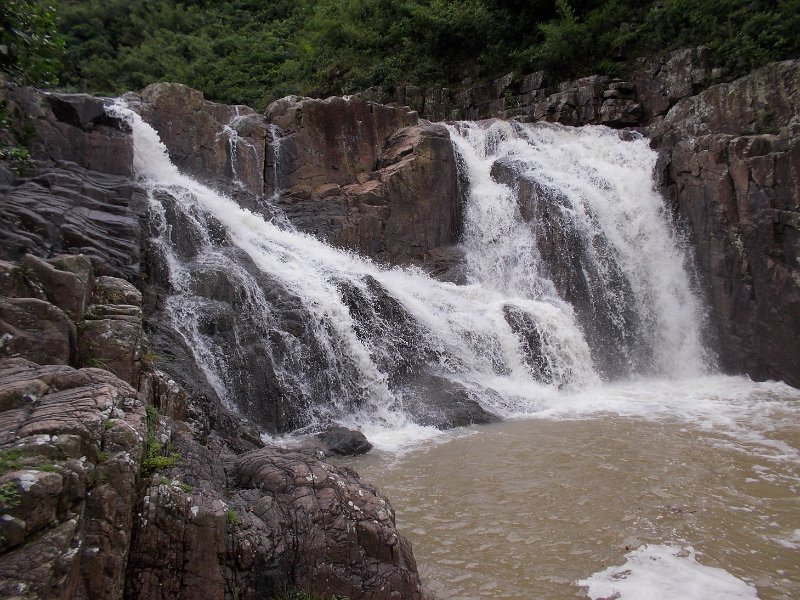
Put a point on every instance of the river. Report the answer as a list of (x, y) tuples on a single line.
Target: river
[(707, 469)]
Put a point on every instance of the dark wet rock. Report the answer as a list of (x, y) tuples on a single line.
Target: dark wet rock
[(343, 442), (73, 442), (386, 328), (65, 209), (730, 159), (436, 401), (74, 128)]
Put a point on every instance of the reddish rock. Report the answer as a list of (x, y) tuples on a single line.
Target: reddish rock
[(74, 440), (362, 177), (218, 144), (731, 166)]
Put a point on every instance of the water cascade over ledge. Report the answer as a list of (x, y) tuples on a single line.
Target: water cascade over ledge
[(575, 275)]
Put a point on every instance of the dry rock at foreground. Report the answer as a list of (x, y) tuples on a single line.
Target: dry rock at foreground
[(71, 446)]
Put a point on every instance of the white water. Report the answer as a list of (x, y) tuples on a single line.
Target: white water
[(459, 331), (662, 572), (602, 193)]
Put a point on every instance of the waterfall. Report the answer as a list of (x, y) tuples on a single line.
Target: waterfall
[(571, 216), (295, 333)]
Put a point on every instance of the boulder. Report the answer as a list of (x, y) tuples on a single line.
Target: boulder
[(343, 442), (436, 401), (343, 538), (67, 281)]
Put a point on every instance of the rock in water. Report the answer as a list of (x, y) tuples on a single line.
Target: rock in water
[(343, 441)]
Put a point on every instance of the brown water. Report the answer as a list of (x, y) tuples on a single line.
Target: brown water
[(523, 509)]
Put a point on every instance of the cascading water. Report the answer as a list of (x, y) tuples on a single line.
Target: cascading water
[(337, 337), (571, 217)]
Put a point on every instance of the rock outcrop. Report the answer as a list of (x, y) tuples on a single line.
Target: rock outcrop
[(367, 177), (654, 86), (731, 166), (71, 447), (218, 144)]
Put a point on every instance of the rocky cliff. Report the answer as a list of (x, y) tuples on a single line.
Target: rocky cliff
[(731, 167)]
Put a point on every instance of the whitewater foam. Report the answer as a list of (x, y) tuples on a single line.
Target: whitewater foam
[(666, 572)]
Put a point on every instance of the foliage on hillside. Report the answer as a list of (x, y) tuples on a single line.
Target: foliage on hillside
[(251, 51)]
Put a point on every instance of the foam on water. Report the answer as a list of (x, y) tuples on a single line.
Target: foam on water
[(666, 572)]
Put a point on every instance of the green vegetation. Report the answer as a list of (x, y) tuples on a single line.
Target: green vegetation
[(232, 517), (248, 51), (30, 48), (30, 52), (157, 456), (13, 460), (9, 496)]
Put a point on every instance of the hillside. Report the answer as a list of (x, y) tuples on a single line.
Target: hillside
[(251, 52)]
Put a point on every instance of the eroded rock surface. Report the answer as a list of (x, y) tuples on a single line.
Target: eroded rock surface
[(367, 177), (71, 446)]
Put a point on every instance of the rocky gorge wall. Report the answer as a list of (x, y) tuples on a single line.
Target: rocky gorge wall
[(730, 161)]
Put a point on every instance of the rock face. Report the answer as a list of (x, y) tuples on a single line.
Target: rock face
[(731, 166), (438, 402), (74, 128), (366, 177), (71, 446), (220, 145)]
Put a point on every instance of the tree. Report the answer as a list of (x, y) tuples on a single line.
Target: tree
[(30, 49)]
